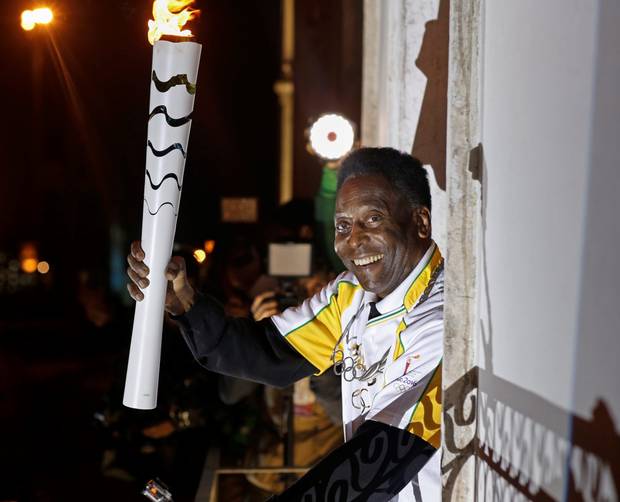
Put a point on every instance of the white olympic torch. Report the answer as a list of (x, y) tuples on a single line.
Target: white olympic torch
[(173, 88)]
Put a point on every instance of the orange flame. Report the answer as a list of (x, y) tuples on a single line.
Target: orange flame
[(169, 18)]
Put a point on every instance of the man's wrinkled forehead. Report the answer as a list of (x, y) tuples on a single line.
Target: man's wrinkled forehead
[(377, 180), (367, 189)]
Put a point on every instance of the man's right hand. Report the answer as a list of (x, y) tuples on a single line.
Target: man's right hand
[(180, 295)]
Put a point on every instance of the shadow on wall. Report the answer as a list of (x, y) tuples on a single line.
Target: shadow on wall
[(518, 455), (429, 144), (520, 449)]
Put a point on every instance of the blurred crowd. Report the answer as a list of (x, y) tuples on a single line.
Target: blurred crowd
[(67, 436)]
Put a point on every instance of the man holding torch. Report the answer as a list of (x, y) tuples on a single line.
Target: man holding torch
[(378, 325)]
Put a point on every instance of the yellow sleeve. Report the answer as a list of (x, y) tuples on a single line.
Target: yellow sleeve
[(314, 327)]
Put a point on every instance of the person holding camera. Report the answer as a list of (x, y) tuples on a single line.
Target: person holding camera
[(379, 325)]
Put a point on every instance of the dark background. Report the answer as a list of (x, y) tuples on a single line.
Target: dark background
[(72, 142), (74, 128)]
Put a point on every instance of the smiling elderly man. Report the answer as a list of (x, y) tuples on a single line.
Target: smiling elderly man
[(379, 326)]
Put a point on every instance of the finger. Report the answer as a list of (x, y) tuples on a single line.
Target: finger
[(142, 282), (263, 313), (171, 302), (138, 266), (177, 268), (258, 299), (259, 312), (135, 292), (265, 294), (170, 298), (269, 305), (176, 271), (172, 270), (137, 251), (268, 311)]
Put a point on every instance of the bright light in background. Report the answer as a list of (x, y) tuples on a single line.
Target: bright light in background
[(331, 136), (43, 267), (43, 15), (28, 257), (169, 17), (30, 18), (209, 246), (200, 255), (29, 265)]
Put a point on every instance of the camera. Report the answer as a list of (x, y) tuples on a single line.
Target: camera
[(288, 262), (157, 491), (288, 298)]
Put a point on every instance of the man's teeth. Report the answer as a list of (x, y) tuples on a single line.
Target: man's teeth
[(368, 260)]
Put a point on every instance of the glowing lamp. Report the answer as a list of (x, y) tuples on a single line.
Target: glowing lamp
[(30, 18), (29, 265), (331, 136), (209, 246)]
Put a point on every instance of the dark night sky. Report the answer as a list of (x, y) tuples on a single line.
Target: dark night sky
[(75, 110), (74, 154)]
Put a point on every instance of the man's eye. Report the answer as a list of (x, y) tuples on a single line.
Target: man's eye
[(342, 227), (374, 219)]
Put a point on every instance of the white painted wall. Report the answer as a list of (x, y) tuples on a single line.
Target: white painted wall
[(549, 282), (597, 357), (537, 92)]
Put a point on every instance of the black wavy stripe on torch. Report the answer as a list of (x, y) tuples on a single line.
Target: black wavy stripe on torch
[(166, 151), (155, 186), (153, 213), (171, 121), (180, 79)]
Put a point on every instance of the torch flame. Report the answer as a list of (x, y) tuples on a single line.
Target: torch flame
[(169, 18)]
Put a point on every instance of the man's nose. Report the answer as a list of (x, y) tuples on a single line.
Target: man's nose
[(357, 236)]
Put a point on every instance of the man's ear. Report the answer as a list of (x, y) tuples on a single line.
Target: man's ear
[(422, 222)]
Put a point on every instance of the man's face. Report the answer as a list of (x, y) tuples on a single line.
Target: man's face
[(379, 236)]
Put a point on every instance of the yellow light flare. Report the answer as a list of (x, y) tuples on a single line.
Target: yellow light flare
[(43, 267), (200, 255), (29, 265), (30, 18), (169, 17)]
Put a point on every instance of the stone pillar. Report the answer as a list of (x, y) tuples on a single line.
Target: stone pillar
[(463, 169)]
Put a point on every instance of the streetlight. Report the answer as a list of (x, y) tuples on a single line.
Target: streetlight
[(331, 137), (31, 18)]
